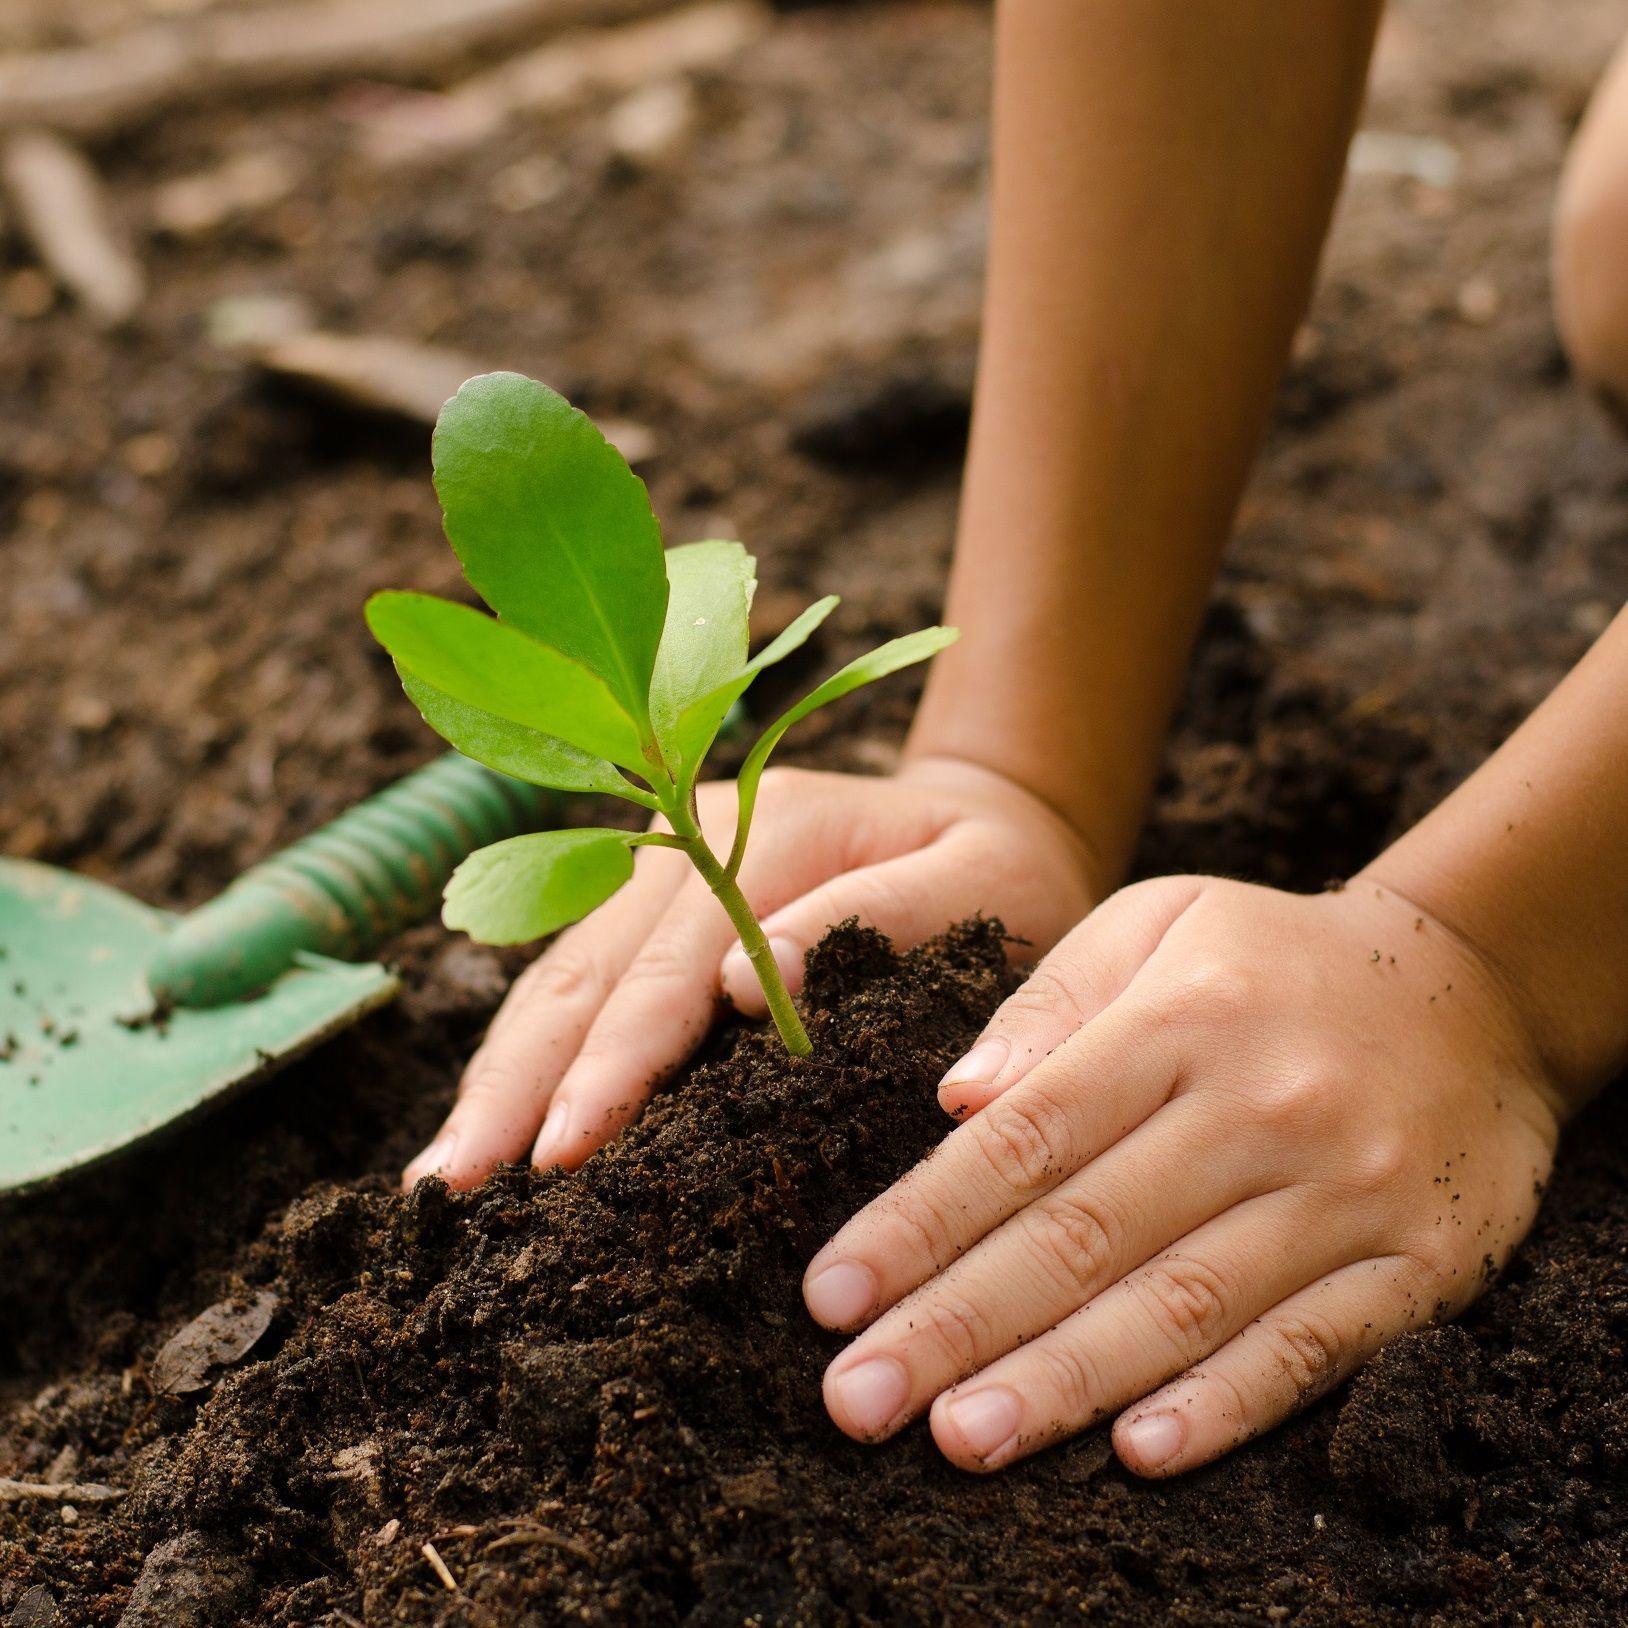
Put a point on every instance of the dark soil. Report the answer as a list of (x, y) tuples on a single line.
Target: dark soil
[(597, 1397), (1435, 534)]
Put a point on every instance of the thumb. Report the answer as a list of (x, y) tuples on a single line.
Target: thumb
[(1081, 977)]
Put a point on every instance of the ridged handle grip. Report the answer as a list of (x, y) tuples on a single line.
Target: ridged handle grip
[(344, 889)]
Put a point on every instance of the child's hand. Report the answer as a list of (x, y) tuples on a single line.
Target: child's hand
[(1224, 1144), (618, 1001)]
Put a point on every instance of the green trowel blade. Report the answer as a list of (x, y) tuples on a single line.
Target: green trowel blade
[(87, 1066)]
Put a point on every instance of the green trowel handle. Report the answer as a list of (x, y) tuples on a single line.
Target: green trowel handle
[(344, 889)]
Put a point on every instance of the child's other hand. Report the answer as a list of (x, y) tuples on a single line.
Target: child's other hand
[(1223, 1145), (619, 1000)]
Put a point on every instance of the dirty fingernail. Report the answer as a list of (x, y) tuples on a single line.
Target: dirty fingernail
[(551, 1139), (872, 1394), (436, 1157), (841, 1294), (1154, 1439), (979, 1066), (986, 1420)]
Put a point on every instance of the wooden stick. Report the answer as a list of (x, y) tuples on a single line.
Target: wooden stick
[(97, 89), (79, 1492), (439, 1567), (63, 212), (555, 75)]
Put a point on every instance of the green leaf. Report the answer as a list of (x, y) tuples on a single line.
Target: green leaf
[(704, 642), (878, 663), (699, 723), (555, 532), (534, 885), (513, 749), (495, 667)]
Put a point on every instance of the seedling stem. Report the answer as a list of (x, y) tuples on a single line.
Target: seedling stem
[(610, 659)]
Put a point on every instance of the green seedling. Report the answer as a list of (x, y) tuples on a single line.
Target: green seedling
[(609, 667)]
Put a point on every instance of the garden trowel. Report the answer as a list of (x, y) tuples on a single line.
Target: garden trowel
[(117, 1020)]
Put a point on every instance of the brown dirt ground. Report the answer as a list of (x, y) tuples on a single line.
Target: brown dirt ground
[(1435, 533)]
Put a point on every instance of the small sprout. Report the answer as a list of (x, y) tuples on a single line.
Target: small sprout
[(609, 668)]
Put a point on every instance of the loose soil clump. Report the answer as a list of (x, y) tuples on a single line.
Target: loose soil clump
[(595, 1397)]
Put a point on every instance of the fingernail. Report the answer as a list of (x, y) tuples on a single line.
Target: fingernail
[(841, 1294), (551, 1139), (872, 1394), (986, 1420), (435, 1158), (789, 958), (980, 1065), (1154, 1439)]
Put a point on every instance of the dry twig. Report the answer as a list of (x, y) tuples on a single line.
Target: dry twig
[(57, 1492), (556, 75), (97, 89), (63, 211), (439, 1567)]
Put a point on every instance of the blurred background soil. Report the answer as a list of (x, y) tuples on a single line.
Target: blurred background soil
[(765, 265)]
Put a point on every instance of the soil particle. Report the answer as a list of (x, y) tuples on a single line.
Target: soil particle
[(596, 1396), (188, 1582)]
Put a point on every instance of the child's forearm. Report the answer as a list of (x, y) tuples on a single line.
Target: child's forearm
[(1164, 174), (1528, 861)]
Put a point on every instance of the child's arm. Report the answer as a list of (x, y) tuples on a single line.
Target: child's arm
[(1164, 174), (1229, 1141)]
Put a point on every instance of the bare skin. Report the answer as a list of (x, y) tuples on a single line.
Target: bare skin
[(1591, 241), (1226, 1141)]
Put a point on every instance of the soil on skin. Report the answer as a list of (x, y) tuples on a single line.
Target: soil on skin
[(597, 1397)]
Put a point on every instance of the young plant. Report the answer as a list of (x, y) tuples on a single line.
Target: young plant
[(609, 667)]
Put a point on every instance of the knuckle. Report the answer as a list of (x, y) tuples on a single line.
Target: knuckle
[(1070, 1379), (1424, 1266), (1019, 1137), (660, 963), (493, 1076), (918, 1226), (1187, 1300), (958, 1330), (1213, 994), (1294, 1102), (564, 973), (883, 900), (1308, 1352), (1228, 1403), (1377, 1166), (1073, 1236), (1046, 995)]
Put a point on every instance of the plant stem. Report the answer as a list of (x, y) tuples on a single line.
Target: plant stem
[(752, 940)]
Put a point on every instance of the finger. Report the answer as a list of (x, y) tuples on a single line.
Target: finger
[(660, 1008), (1043, 1264), (1301, 1348), (540, 1027), (908, 896), (1082, 976), (1099, 1086), (1142, 1331)]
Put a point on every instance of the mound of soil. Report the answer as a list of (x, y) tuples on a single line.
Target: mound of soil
[(595, 1397)]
